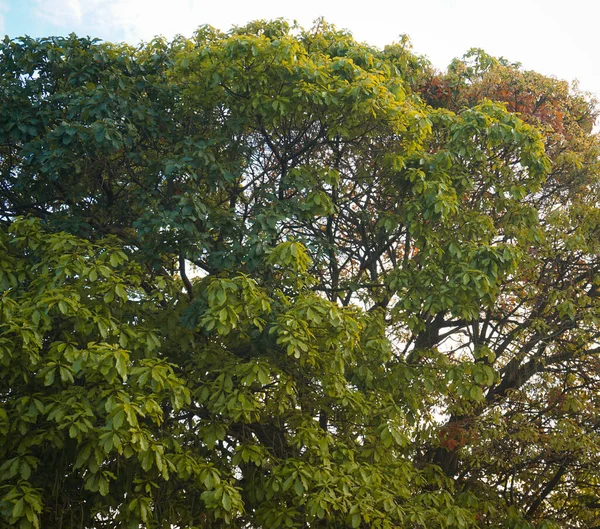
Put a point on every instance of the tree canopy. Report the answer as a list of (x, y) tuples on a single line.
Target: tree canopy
[(275, 277)]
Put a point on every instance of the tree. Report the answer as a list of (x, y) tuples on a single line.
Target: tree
[(547, 392), (392, 315)]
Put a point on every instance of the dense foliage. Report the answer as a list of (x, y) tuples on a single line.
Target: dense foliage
[(277, 278)]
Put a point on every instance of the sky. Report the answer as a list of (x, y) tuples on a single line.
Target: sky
[(557, 38)]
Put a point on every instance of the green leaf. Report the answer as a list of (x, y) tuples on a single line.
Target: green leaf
[(298, 487), (66, 375), (118, 419), (49, 378), (121, 361), (226, 501)]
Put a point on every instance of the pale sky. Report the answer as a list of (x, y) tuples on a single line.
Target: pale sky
[(559, 38)]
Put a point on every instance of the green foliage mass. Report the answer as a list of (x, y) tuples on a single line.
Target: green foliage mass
[(277, 278)]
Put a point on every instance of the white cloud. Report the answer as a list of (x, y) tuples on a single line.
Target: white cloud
[(144, 20), (62, 13), (129, 20)]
